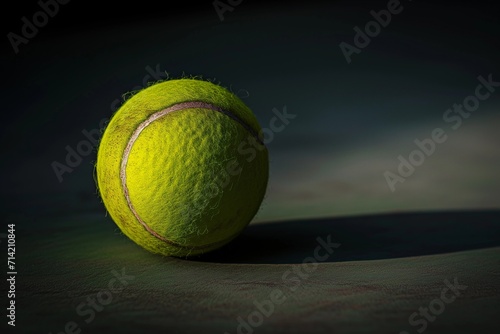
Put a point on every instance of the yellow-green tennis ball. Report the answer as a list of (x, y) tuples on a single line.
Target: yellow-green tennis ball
[(181, 167)]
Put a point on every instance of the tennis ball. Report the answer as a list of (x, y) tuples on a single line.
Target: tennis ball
[(182, 168)]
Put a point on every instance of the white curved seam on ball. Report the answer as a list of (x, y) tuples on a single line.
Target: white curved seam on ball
[(135, 135)]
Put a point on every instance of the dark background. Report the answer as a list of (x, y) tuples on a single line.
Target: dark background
[(327, 166), (353, 120)]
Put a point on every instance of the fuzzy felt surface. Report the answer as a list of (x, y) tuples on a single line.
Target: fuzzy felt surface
[(182, 180)]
